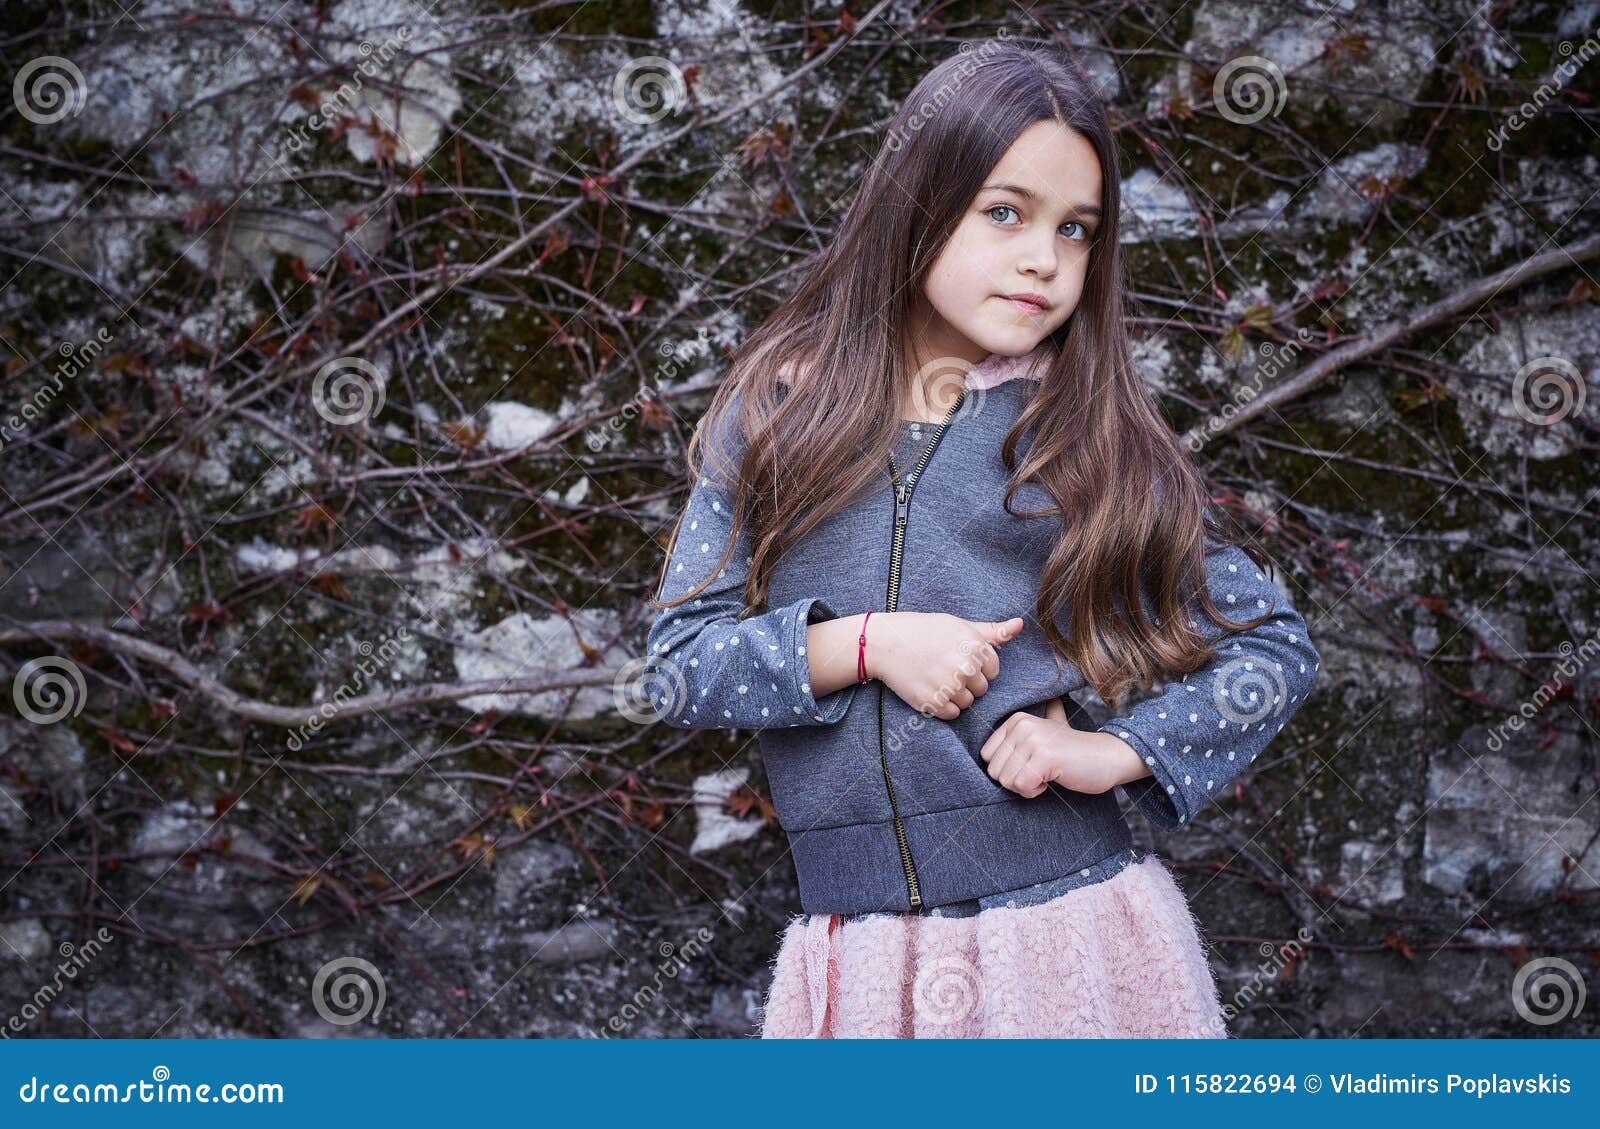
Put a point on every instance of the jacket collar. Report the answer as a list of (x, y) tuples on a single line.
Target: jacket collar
[(998, 368)]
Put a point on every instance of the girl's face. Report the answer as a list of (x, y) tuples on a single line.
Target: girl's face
[(1026, 232)]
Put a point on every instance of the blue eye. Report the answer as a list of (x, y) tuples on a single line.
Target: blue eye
[(1083, 232)]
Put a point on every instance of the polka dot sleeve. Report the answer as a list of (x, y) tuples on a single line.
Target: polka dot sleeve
[(1198, 733), (708, 669)]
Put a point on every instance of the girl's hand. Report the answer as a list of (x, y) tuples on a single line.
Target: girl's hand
[(1026, 754), (937, 664)]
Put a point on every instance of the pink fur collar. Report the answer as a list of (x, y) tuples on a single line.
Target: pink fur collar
[(997, 368)]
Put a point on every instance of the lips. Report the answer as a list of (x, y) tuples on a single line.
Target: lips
[(1028, 303)]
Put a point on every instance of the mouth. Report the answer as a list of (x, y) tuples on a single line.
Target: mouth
[(1028, 303)]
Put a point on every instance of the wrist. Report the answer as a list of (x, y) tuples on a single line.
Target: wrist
[(867, 654), (877, 653), (1124, 764)]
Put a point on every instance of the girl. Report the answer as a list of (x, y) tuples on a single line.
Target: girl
[(933, 499)]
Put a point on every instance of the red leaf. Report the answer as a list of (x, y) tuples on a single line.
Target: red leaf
[(119, 742), (1400, 945)]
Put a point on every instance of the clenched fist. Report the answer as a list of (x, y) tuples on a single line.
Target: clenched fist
[(937, 664)]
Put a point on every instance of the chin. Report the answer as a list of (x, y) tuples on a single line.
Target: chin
[(1013, 340)]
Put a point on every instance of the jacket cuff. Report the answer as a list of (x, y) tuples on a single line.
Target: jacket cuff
[(832, 707), (1158, 797)]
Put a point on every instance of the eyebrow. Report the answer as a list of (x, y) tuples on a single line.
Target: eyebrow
[(1089, 210)]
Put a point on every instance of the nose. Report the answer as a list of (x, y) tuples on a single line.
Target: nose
[(1039, 258)]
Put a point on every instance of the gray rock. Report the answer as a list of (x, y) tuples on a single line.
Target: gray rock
[(521, 874), (1499, 823)]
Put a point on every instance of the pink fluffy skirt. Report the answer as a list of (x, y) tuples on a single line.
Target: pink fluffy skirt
[(1120, 958)]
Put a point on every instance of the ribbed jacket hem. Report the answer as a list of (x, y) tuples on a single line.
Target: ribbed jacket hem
[(959, 853)]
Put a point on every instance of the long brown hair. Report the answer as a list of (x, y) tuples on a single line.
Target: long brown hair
[(1133, 507)]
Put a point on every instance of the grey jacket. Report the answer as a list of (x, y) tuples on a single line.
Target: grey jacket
[(886, 808)]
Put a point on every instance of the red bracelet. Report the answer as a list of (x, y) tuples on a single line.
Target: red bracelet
[(861, 655)]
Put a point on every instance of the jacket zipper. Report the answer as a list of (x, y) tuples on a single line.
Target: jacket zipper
[(902, 509)]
